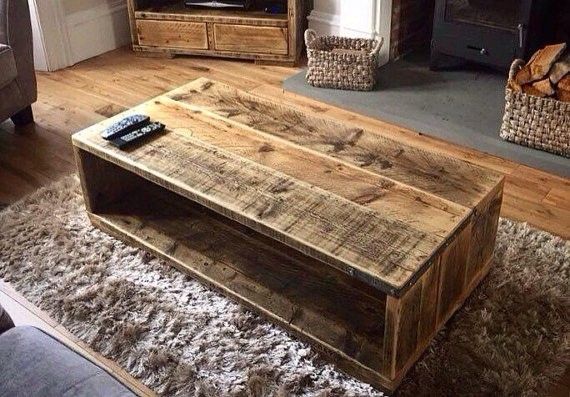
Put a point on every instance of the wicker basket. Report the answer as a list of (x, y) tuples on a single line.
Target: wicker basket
[(341, 62), (540, 123)]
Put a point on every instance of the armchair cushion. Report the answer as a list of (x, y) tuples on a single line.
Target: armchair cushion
[(7, 66), (35, 364), (5, 320)]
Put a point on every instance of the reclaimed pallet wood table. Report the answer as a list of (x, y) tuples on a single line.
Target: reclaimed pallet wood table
[(354, 242)]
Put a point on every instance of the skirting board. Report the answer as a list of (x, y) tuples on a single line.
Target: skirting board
[(97, 30)]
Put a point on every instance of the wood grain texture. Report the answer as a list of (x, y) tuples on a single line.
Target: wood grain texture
[(383, 252), (251, 39), (131, 5), (456, 181), (172, 34), (391, 200), (452, 270)]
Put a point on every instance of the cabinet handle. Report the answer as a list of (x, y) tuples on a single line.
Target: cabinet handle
[(520, 27)]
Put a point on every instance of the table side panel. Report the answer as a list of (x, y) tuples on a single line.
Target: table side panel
[(485, 225), (414, 318)]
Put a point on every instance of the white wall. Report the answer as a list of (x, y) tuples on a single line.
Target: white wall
[(40, 54), (69, 31), (95, 27), (354, 18)]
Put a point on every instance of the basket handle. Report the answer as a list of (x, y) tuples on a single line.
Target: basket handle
[(310, 37), (377, 45), (515, 67)]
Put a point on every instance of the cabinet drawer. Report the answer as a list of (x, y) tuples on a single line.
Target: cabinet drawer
[(251, 39), (172, 34)]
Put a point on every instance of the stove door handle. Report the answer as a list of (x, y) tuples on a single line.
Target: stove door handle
[(520, 27)]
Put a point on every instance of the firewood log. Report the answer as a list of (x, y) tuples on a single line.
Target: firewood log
[(560, 69), (544, 86), (563, 89), (540, 64), (530, 90), (564, 83), (563, 95)]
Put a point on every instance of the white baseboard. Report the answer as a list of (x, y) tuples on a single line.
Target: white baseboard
[(326, 24), (370, 19), (96, 30)]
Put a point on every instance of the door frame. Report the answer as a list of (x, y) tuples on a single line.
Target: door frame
[(51, 36)]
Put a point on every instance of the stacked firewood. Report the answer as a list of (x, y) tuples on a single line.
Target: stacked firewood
[(547, 74)]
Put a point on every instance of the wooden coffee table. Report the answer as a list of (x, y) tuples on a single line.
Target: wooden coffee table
[(353, 241)]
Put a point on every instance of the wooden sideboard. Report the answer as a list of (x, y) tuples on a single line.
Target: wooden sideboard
[(171, 28)]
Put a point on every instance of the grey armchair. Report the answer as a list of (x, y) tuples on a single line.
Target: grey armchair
[(17, 77)]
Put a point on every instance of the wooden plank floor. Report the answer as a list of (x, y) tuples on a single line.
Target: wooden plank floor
[(84, 94)]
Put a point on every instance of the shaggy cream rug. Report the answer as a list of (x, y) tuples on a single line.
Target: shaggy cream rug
[(180, 338)]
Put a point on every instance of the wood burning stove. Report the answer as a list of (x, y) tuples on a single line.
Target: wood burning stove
[(490, 32)]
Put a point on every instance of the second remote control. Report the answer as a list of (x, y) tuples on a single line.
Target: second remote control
[(138, 134), (128, 124)]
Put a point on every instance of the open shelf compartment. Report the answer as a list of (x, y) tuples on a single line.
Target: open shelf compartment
[(341, 316)]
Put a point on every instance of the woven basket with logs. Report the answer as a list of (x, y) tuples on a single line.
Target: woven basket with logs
[(537, 108)]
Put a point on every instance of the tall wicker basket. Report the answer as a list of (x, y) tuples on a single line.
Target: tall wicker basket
[(540, 123), (341, 62)]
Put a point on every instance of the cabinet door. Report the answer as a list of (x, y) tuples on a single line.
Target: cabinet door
[(172, 34), (251, 39)]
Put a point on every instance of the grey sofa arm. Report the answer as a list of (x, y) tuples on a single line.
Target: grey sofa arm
[(5, 321), (16, 32)]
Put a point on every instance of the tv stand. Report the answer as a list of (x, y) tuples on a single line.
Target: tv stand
[(170, 28)]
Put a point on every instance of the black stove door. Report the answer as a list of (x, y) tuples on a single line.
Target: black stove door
[(491, 32)]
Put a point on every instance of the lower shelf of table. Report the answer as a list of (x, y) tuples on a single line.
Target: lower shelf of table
[(342, 317), (371, 336)]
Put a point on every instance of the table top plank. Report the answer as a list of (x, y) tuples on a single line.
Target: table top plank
[(391, 200), (454, 180), (273, 169)]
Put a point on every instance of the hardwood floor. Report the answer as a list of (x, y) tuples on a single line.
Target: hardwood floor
[(84, 94)]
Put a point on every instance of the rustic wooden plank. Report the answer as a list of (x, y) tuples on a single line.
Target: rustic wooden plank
[(389, 199), (355, 239), (452, 270), (429, 301), (409, 312), (410, 324), (297, 22), (456, 181), (178, 12), (172, 34), (484, 231), (251, 39), (273, 59)]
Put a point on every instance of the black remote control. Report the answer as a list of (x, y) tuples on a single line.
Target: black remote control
[(136, 135), (128, 124)]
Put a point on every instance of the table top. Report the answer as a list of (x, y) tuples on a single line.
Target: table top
[(356, 199)]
